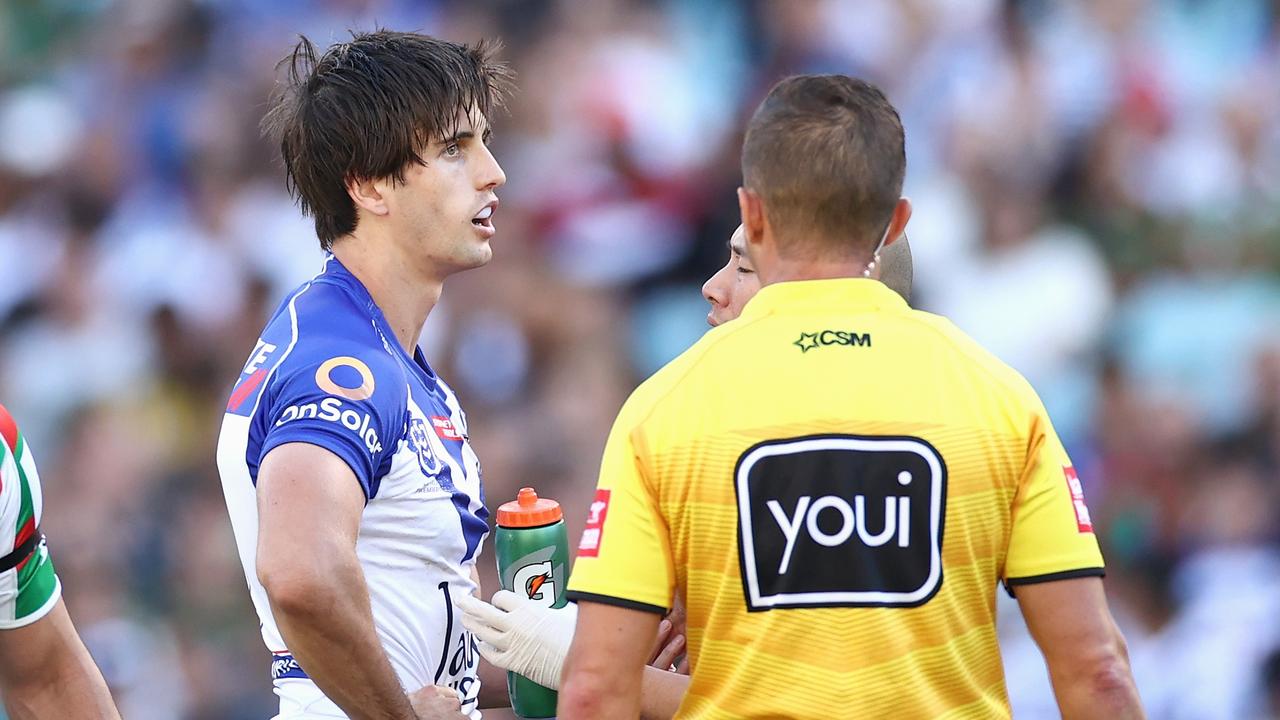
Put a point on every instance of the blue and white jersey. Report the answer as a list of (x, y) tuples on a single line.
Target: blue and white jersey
[(327, 370)]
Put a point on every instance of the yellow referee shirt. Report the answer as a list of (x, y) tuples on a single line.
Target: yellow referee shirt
[(835, 483)]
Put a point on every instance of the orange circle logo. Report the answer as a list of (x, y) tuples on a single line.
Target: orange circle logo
[(326, 383)]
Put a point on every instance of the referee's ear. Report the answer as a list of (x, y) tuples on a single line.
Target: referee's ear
[(898, 222)]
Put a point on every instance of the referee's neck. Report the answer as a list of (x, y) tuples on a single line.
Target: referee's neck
[(810, 269)]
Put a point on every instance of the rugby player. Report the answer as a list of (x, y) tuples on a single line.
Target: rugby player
[(835, 483), (353, 490), (45, 671)]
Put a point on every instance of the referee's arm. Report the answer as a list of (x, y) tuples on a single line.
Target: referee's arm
[(1086, 654), (1054, 568), (602, 675), (622, 581)]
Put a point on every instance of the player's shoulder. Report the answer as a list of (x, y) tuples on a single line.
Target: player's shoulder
[(328, 321), (329, 344)]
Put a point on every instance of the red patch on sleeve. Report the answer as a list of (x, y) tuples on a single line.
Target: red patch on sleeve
[(1083, 523), (594, 532)]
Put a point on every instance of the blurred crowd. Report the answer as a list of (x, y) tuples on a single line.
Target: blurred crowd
[(1097, 200)]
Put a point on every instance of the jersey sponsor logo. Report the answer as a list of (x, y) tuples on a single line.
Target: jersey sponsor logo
[(324, 378), (331, 409), (1084, 524), (823, 338), (593, 534), (840, 521), (459, 655), (444, 428)]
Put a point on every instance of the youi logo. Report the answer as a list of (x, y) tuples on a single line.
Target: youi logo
[(841, 521)]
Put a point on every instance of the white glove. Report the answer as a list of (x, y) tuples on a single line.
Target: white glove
[(521, 635)]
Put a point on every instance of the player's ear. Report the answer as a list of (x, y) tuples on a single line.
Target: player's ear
[(898, 223), (753, 221), (367, 195)]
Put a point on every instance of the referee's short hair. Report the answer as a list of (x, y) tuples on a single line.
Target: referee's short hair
[(826, 154), (366, 108)]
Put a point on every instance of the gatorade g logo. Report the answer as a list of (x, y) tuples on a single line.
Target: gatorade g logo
[(536, 582), (536, 576), (324, 378), (840, 521)]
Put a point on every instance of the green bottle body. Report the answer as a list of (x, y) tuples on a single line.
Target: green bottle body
[(534, 563)]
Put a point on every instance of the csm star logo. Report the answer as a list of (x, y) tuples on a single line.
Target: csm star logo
[(807, 342)]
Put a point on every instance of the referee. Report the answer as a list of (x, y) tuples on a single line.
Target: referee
[(836, 483)]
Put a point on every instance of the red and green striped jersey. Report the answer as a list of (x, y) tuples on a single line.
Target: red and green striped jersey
[(29, 589)]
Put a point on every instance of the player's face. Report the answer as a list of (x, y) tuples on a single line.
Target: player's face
[(732, 285), (444, 209)]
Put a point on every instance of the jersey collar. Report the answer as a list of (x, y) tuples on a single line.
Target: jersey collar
[(840, 293)]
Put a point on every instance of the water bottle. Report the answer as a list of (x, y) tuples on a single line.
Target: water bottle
[(533, 562)]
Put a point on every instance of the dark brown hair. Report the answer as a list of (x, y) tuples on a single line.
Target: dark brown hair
[(827, 155), (366, 108)]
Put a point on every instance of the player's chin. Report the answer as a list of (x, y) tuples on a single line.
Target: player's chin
[(476, 253)]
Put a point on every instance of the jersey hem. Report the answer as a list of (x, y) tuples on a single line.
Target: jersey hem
[(575, 596), (38, 614), (1011, 583)]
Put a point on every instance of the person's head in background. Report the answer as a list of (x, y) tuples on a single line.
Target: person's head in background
[(822, 165), (733, 285)]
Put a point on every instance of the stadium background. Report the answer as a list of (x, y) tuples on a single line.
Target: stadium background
[(1097, 193)]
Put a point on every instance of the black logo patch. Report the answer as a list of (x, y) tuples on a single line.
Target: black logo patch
[(840, 521), (823, 338)]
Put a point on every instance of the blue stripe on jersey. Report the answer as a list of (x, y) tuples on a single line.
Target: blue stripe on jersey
[(474, 524)]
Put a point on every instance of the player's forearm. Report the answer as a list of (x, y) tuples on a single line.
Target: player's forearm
[(46, 672), (75, 691), (661, 693), (325, 619)]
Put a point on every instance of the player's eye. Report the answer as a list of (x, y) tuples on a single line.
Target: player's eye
[(452, 150), (745, 271)]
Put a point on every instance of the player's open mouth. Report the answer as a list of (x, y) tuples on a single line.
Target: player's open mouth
[(484, 218)]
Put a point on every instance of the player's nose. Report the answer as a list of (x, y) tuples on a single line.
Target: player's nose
[(491, 174)]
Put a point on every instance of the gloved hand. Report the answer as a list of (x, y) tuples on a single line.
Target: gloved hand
[(520, 635)]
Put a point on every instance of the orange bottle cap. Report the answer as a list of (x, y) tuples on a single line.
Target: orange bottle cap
[(529, 510)]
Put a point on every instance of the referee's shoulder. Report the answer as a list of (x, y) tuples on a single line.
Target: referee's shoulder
[(960, 348), (673, 377)]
